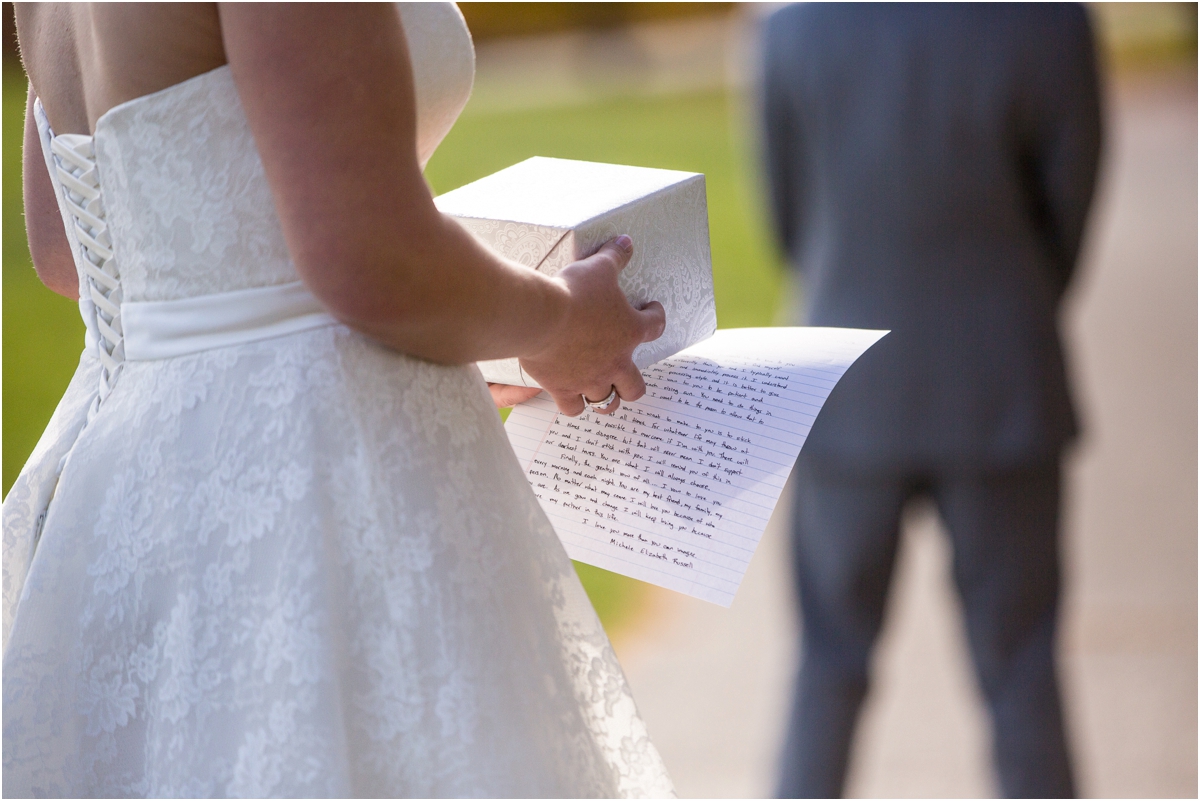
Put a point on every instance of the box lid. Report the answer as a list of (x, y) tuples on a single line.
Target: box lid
[(546, 191)]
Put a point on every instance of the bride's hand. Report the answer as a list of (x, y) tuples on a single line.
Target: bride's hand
[(591, 353), (505, 395)]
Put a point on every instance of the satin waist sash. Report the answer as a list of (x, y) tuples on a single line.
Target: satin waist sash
[(163, 329)]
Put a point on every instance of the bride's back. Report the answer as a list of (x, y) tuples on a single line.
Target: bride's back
[(84, 58), (186, 205)]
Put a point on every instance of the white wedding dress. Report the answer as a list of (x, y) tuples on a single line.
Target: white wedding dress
[(256, 554)]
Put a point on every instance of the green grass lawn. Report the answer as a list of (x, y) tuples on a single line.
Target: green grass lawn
[(43, 333)]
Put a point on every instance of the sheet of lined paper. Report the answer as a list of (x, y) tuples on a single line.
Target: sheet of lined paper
[(676, 488)]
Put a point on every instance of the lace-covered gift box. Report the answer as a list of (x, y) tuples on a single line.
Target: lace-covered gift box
[(547, 213)]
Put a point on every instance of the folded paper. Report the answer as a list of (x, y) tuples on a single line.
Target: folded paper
[(546, 213)]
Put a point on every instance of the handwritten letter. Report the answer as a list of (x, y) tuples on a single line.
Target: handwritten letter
[(676, 488)]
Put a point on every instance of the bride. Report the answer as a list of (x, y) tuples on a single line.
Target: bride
[(273, 541)]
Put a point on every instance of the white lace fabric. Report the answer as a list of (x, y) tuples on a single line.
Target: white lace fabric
[(300, 566)]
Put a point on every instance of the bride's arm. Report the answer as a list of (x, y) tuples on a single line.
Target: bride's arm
[(328, 92), (48, 245)]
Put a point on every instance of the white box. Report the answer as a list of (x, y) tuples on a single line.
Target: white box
[(547, 213)]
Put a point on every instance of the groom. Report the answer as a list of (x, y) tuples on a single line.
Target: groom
[(930, 171)]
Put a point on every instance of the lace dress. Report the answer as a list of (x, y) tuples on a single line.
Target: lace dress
[(256, 554)]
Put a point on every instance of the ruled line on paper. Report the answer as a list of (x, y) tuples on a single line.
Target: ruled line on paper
[(677, 488)]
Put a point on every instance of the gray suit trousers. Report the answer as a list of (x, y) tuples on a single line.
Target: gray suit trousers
[(1003, 525)]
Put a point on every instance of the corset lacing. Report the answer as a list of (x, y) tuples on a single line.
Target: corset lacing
[(75, 163)]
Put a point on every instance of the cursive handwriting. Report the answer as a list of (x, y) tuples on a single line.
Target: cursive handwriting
[(678, 487)]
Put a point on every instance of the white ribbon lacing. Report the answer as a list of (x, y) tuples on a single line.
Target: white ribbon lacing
[(74, 159), (75, 163)]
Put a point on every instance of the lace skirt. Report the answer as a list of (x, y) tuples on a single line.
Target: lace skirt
[(304, 566)]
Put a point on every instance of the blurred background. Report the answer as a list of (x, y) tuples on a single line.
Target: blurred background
[(670, 85)]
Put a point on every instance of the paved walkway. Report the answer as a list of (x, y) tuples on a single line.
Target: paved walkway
[(713, 684)]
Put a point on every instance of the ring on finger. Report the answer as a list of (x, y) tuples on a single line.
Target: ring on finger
[(601, 404)]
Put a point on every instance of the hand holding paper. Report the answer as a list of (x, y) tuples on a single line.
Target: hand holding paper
[(675, 487)]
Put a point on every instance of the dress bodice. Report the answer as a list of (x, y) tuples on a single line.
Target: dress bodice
[(181, 186)]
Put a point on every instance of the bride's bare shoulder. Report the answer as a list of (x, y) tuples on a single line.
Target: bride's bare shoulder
[(84, 58)]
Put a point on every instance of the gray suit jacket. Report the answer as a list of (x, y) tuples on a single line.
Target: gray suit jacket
[(930, 168)]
